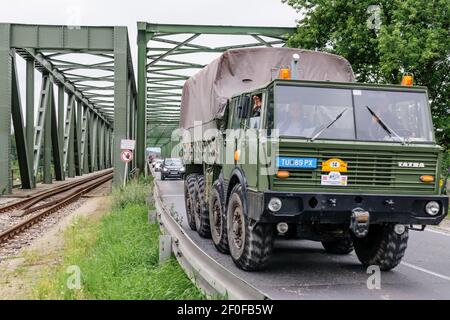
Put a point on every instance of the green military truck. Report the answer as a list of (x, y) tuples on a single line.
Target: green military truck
[(283, 143)]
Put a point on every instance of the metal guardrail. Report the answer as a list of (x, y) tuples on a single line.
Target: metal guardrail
[(211, 277)]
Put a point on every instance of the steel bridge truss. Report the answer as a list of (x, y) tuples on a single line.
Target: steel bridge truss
[(166, 59), (73, 137)]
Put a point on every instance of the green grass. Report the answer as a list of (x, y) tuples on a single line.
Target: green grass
[(118, 257)]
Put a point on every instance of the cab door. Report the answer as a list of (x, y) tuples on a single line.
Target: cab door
[(250, 126), (231, 138)]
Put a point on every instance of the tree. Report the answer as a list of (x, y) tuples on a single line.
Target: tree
[(384, 39)]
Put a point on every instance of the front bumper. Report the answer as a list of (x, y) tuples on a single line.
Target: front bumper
[(330, 208)]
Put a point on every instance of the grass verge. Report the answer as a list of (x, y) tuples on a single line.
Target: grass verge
[(117, 257)]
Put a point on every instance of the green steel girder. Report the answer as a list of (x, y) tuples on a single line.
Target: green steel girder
[(68, 133), (5, 107), (162, 70), (93, 138), (101, 154), (20, 132), (79, 138), (61, 122), (40, 122), (83, 143), (62, 38), (158, 29), (55, 140), (47, 133), (30, 119), (88, 147), (124, 85), (70, 139)]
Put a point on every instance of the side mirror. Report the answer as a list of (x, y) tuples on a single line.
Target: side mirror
[(244, 107)]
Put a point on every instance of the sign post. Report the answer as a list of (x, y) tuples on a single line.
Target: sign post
[(126, 155)]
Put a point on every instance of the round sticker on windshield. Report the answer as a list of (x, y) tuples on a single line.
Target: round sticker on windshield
[(334, 165)]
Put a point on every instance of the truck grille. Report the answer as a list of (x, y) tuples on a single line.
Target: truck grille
[(376, 171)]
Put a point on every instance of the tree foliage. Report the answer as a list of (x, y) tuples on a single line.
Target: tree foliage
[(382, 40)]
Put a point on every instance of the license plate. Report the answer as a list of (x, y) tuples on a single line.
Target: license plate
[(296, 163)]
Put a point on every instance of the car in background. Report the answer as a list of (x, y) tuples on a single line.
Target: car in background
[(172, 168)]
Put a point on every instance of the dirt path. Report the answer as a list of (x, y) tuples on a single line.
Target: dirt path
[(19, 274)]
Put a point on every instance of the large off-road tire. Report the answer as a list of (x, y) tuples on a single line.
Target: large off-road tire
[(339, 246), (201, 214), (250, 246), (189, 198), (217, 219), (382, 246)]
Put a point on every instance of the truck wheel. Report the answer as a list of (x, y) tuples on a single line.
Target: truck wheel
[(189, 192), (201, 214), (339, 246), (217, 219), (250, 246), (382, 246)]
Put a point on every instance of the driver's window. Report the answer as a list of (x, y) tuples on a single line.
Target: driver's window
[(235, 121), (256, 111)]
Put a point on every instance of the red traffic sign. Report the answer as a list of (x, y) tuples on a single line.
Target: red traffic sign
[(126, 156)]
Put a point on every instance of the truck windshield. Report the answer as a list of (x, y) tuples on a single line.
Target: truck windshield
[(173, 162), (349, 114)]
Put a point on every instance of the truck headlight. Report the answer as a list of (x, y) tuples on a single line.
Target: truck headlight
[(183, 169), (274, 204), (164, 169), (432, 208)]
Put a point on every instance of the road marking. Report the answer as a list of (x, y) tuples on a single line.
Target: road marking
[(438, 232), (426, 271)]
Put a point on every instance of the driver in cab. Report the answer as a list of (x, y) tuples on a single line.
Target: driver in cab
[(256, 111)]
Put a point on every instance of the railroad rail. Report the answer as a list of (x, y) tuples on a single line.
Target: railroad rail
[(37, 197), (80, 187), (208, 275)]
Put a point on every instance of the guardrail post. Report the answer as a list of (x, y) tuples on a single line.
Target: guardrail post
[(151, 216), (165, 248)]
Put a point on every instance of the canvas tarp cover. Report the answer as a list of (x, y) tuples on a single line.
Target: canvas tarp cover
[(206, 93)]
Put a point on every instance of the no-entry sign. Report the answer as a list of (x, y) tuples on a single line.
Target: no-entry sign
[(126, 156)]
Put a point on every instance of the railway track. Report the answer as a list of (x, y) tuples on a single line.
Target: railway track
[(36, 212), (35, 198)]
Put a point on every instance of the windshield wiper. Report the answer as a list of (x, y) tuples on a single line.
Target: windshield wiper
[(326, 127), (385, 127)]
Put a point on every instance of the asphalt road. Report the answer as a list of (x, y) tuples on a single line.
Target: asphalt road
[(303, 270)]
